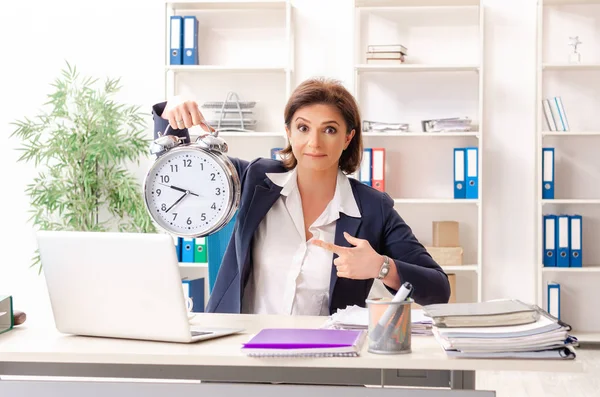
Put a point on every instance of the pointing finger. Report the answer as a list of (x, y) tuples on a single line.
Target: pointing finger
[(336, 249)]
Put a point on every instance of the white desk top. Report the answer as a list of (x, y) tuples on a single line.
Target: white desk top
[(45, 344)]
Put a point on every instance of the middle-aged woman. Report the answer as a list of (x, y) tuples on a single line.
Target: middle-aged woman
[(308, 240)]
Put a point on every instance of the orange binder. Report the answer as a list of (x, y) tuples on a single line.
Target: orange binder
[(378, 173)]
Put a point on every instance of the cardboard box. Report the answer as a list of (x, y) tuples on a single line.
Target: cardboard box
[(446, 256), (452, 280), (445, 234)]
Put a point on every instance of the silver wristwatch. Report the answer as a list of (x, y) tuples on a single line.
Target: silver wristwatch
[(385, 268)]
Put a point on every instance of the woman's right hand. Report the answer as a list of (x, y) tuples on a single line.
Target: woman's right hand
[(185, 115)]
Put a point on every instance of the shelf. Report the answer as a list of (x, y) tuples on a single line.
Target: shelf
[(436, 201), (570, 201), (225, 69), (193, 271), (460, 269), (226, 5), (413, 67), (571, 66), (570, 133), (415, 3), (422, 134), (584, 269)]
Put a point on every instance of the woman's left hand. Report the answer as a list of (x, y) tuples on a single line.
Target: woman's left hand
[(359, 262)]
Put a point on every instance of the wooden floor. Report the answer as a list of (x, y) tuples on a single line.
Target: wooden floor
[(515, 384)]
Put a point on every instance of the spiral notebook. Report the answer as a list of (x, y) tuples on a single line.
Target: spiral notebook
[(301, 342)]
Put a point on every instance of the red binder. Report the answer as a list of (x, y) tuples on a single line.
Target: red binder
[(378, 167)]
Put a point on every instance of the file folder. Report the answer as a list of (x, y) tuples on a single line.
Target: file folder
[(366, 165), (177, 243), (575, 240), (553, 299), (190, 40), (460, 191), (187, 250), (378, 177), (275, 155), (196, 291), (472, 174), (200, 255), (176, 46), (563, 254), (548, 173), (550, 240), (216, 244), (561, 114)]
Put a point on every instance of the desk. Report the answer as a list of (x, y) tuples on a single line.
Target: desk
[(42, 351)]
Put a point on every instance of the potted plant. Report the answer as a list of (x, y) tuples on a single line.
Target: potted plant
[(82, 145)]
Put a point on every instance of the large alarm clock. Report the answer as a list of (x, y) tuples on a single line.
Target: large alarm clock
[(191, 189)]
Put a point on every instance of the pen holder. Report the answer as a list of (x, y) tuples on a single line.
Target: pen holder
[(389, 326)]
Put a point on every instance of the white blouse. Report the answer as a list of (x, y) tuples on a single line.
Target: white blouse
[(290, 275)]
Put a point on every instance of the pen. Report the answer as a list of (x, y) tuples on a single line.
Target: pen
[(400, 296)]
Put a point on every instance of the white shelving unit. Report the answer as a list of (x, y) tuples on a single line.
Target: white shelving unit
[(577, 164), (442, 77), (246, 47)]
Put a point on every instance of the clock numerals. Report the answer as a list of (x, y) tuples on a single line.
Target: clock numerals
[(163, 207), (212, 177), (218, 191), (189, 221), (174, 215), (174, 168), (203, 217), (158, 192), (213, 206), (188, 163), (164, 179)]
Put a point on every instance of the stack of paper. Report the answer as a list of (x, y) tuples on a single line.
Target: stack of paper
[(356, 317), (526, 336)]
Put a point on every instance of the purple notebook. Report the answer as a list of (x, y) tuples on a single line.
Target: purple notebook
[(306, 340)]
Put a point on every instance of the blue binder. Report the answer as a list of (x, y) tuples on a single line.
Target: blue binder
[(562, 246), (553, 299), (190, 40), (575, 240), (472, 173), (550, 240), (176, 45), (187, 249), (275, 153), (216, 244), (548, 173), (197, 294), (177, 241), (460, 191), (366, 167)]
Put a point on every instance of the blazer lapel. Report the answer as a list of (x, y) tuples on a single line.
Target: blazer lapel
[(344, 224), (263, 199)]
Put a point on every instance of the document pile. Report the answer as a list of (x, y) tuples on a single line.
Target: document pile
[(380, 126), (454, 124), (500, 329), (356, 317)]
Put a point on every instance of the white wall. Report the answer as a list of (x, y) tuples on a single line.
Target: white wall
[(88, 35)]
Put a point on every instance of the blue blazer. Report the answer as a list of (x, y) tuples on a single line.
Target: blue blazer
[(379, 224)]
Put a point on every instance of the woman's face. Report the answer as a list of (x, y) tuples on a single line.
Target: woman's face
[(317, 134)]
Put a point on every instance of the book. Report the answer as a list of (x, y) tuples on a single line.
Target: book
[(481, 314), (305, 342)]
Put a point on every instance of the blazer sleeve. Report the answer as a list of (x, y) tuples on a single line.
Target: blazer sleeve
[(415, 265), (161, 124)]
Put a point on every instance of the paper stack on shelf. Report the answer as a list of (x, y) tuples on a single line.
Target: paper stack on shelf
[(451, 124), (356, 317), (386, 53), (378, 126), (500, 329), (231, 115)]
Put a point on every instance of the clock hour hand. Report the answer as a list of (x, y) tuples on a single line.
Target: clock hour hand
[(180, 189), (177, 202)]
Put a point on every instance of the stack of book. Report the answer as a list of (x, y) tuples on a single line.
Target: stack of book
[(451, 124), (386, 53), (500, 329)]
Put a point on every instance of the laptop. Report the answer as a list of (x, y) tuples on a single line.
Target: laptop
[(118, 285)]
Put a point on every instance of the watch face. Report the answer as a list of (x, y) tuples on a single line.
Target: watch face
[(189, 192)]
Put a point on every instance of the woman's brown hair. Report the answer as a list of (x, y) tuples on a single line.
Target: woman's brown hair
[(329, 92)]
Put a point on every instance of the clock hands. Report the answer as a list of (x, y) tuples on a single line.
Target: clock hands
[(178, 201), (180, 189)]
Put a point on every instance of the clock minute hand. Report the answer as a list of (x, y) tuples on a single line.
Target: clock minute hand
[(177, 202)]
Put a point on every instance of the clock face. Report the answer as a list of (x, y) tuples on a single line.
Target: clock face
[(188, 192)]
